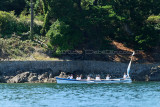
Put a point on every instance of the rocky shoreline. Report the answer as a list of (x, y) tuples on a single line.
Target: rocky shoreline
[(46, 71), (27, 77)]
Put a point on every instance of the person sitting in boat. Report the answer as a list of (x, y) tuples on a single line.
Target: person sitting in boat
[(107, 77), (125, 76), (80, 77), (68, 77), (88, 78), (77, 78), (71, 77), (98, 78)]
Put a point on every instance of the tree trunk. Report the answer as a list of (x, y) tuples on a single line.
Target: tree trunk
[(79, 5), (32, 19)]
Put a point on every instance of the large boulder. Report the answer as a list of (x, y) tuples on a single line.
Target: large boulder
[(32, 78), (62, 75), (52, 80), (46, 78), (152, 74), (43, 76), (155, 73), (20, 78)]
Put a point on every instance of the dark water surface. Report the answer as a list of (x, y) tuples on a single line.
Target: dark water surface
[(137, 94)]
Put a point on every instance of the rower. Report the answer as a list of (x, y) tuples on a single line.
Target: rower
[(125, 76), (77, 78), (68, 77), (98, 78), (71, 77), (88, 78), (80, 77), (107, 77)]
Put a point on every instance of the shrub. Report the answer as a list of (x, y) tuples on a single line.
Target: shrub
[(63, 37), (14, 47), (8, 22)]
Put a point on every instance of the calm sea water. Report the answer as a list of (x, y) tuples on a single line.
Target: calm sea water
[(138, 94)]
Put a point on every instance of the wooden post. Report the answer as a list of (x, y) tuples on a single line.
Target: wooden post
[(32, 19)]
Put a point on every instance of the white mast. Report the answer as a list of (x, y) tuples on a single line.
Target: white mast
[(129, 66)]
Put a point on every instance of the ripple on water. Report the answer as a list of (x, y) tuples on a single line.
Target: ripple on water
[(116, 95)]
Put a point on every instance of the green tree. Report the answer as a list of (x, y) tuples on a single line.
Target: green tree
[(134, 26), (63, 36), (93, 24), (97, 21)]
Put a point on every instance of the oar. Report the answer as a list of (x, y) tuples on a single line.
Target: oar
[(129, 66)]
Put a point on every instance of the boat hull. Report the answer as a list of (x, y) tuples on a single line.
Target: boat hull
[(74, 81)]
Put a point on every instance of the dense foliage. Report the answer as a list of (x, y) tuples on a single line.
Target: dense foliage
[(87, 24), (64, 37), (9, 24), (98, 21), (139, 33)]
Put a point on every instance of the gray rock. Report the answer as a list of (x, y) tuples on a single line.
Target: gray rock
[(52, 80), (48, 80), (45, 80), (32, 75), (32, 79), (20, 78), (62, 75), (50, 75), (43, 76), (154, 74)]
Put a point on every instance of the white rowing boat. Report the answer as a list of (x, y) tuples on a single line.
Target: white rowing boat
[(118, 80), (71, 81)]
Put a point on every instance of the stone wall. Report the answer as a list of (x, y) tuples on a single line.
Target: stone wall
[(115, 69)]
